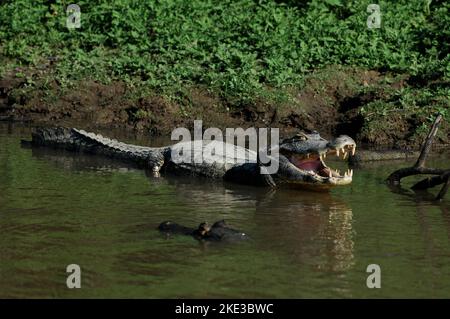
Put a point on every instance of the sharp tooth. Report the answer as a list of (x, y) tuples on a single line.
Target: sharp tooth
[(329, 174), (353, 150), (345, 155), (351, 172), (342, 150), (337, 152), (324, 155), (345, 174)]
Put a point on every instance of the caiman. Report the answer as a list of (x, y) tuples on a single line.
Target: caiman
[(301, 157)]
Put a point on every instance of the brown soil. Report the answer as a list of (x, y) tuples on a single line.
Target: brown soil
[(329, 102)]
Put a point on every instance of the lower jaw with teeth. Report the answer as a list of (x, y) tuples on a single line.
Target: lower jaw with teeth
[(316, 167), (334, 176), (336, 173)]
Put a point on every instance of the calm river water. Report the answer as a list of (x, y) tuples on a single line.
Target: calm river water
[(58, 209)]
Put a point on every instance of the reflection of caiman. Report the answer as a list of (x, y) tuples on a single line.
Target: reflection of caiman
[(316, 225), (219, 231), (301, 158)]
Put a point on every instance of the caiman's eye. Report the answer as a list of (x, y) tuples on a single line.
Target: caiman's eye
[(301, 137)]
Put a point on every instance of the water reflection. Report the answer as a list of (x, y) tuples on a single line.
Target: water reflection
[(311, 226), (55, 206)]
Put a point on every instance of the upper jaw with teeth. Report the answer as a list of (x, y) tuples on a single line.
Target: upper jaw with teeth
[(344, 151)]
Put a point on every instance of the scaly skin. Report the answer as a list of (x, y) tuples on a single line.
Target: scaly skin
[(301, 157)]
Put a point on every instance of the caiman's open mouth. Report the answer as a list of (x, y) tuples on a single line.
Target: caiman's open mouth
[(313, 163)]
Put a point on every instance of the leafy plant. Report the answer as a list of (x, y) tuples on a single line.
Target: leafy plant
[(236, 48)]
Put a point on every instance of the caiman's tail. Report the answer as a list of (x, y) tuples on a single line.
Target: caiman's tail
[(81, 141)]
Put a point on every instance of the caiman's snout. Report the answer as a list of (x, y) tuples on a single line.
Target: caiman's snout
[(306, 154)]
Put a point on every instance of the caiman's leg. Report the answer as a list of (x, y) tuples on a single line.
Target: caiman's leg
[(266, 178), (82, 141)]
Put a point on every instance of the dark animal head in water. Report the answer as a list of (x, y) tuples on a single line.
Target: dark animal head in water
[(219, 231)]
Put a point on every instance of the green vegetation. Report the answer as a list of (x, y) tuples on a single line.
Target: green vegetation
[(241, 50)]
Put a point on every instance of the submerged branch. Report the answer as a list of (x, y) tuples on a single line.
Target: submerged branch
[(444, 189), (431, 181), (443, 175)]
